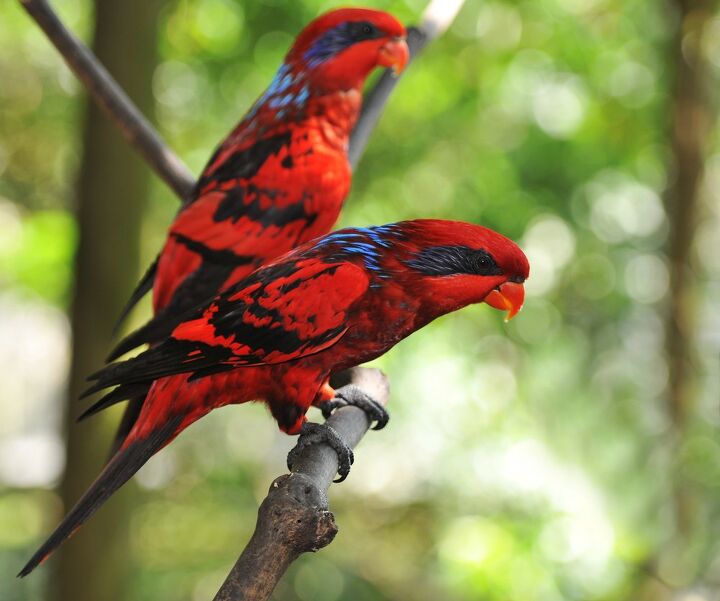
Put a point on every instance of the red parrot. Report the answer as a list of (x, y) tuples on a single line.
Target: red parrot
[(280, 334), (278, 180)]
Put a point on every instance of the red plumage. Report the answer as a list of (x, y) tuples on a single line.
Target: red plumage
[(281, 333), (278, 180), (280, 177)]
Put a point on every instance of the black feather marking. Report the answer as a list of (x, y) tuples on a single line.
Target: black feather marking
[(287, 414), (118, 471), (244, 163), (221, 257), (171, 357), (132, 412), (452, 260), (195, 291), (197, 359), (228, 320), (143, 287), (234, 206), (337, 39), (119, 394), (209, 371), (150, 332)]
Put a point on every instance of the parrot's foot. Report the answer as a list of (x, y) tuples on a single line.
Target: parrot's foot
[(310, 434), (353, 395)]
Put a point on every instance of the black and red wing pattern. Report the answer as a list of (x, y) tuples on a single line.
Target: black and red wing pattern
[(196, 289), (224, 172), (282, 312)]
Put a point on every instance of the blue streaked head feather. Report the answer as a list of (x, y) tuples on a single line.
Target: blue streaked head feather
[(364, 242), (337, 39)]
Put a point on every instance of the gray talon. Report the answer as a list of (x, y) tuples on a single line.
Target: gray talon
[(329, 406), (352, 395), (311, 434)]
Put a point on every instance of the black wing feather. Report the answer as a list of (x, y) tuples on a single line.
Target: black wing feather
[(196, 290), (117, 395), (132, 412), (170, 358), (143, 287)]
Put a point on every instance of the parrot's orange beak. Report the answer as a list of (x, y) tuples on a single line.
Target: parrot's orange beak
[(507, 297), (394, 54)]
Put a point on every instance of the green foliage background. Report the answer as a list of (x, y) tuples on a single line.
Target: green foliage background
[(533, 460)]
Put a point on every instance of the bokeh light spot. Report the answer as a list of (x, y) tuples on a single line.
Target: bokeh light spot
[(646, 278)]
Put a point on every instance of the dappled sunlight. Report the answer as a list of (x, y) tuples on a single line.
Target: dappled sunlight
[(34, 338), (531, 460), (646, 278), (549, 245), (558, 106), (621, 209)]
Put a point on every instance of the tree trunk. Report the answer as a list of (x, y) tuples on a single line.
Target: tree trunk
[(112, 186), (690, 130), (690, 119)]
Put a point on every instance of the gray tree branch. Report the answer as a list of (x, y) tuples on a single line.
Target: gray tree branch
[(294, 517), (137, 130), (437, 17)]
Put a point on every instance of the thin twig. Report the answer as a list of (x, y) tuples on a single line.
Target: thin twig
[(436, 19), (139, 133), (294, 517)]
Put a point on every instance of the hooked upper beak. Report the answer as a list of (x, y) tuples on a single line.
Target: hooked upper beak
[(394, 54), (507, 297)]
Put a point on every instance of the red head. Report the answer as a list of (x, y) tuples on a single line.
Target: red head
[(339, 49), (452, 264), (445, 265)]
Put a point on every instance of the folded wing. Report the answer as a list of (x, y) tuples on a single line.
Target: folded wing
[(282, 312)]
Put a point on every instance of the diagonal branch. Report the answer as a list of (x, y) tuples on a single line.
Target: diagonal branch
[(141, 135), (436, 19), (137, 130)]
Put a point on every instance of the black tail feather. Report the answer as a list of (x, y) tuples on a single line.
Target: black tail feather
[(166, 359), (132, 412), (191, 296), (143, 287), (118, 471), (119, 394), (158, 328)]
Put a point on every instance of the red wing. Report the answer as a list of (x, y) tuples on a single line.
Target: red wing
[(282, 312), (302, 309)]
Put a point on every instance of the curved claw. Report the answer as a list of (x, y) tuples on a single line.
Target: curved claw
[(353, 395), (329, 406), (311, 434)]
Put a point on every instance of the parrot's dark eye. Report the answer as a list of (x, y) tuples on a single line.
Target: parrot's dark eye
[(452, 260), (483, 261), (363, 30)]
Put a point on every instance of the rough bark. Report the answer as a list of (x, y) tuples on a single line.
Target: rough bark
[(111, 190), (294, 517)]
